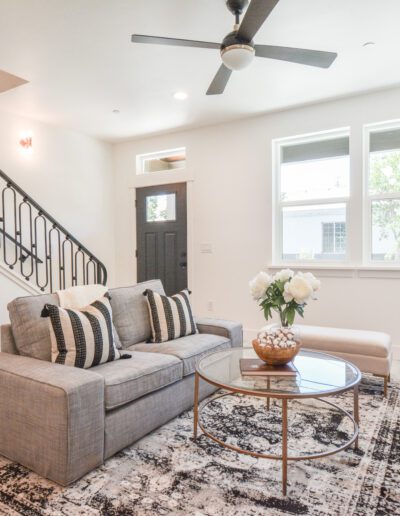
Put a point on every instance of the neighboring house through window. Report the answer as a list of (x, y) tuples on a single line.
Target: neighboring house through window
[(333, 237)]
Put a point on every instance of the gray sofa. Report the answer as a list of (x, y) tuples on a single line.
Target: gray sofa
[(62, 421)]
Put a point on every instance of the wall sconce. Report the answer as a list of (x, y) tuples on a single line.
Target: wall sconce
[(25, 141)]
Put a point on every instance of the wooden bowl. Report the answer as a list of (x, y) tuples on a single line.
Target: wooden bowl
[(275, 356)]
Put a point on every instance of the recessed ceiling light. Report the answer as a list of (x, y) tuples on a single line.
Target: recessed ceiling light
[(116, 111), (180, 95), (368, 44)]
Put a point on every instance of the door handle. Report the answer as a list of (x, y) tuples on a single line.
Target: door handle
[(183, 264)]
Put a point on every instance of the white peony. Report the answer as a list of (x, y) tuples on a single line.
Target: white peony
[(298, 288), (283, 275), (314, 282), (259, 284)]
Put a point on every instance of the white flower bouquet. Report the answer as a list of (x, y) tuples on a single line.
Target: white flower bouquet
[(286, 293)]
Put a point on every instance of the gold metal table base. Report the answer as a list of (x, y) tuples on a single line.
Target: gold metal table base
[(284, 457)]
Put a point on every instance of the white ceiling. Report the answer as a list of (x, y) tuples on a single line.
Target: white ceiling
[(81, 65)]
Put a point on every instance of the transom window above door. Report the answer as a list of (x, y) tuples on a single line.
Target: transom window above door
[(162, 161), (312, 195)]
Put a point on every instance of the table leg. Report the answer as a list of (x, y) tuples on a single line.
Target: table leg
[(356, 412), (196, 405), (268, 387), (284, 446)]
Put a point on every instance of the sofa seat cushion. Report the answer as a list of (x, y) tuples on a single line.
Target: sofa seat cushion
[(128, 380), (338, 340), (189, 349)]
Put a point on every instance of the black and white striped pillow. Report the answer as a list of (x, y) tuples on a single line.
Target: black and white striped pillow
[(82, 338), (170, 317)]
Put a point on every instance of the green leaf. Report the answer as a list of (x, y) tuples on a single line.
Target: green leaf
[(267, 312), (290, 315)]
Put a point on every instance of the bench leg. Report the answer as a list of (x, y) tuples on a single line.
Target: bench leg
[(386, 380), (385, 385)]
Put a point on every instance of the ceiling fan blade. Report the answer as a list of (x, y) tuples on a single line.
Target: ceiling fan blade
[(155, 40), (220, 81), (297, 55), (256, 14)]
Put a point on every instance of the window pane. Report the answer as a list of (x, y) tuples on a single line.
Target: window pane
[(174, 159), (314, 232), (160, 208), (386, 230), (328, 237), (384, 172), (316, 179), (340, 237)]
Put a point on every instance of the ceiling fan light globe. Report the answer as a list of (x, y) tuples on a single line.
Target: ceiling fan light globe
[(237, 57)]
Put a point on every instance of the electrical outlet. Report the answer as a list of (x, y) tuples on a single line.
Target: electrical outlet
[(210, 306)]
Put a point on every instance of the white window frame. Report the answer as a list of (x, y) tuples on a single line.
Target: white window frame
[(279, 205), (369, 198)]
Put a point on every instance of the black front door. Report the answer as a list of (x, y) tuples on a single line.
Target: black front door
[(161, 229)]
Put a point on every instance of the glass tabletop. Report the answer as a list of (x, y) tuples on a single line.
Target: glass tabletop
[(318, 374)]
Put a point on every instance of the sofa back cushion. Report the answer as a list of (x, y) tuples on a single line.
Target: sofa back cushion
[(30, 330), (130, 312), (7, 342)]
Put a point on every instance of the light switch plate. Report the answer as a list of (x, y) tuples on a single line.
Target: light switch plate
[(206, 248)]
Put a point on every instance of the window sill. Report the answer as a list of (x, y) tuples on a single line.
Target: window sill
[(342, 270)]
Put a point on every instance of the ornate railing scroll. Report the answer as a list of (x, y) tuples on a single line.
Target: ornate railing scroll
[(36, 246)]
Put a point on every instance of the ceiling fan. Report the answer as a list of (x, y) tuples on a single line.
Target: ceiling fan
[(237, 48)]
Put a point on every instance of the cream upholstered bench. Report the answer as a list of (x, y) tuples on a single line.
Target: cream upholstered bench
[(370, 351)]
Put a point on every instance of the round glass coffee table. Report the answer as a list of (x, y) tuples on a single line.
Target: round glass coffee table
[(319, 376)]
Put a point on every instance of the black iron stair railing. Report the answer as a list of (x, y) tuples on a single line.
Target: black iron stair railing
[(38, 247)]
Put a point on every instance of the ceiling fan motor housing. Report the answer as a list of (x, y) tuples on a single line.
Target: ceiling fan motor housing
[(236, 52), (233, 39)]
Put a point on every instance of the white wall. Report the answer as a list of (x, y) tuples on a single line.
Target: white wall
[(70, 175), (230, 207)]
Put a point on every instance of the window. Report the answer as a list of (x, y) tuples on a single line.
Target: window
[(161, 208), (382, 203), (174, 159), (313, 188), (333, 237)]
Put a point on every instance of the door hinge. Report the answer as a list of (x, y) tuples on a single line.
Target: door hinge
[(135, 203), (136, 253)]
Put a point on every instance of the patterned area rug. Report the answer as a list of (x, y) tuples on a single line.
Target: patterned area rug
[(166, 473)]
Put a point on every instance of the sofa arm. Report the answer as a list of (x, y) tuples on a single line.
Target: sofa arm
[(51, 417), (231, 330)]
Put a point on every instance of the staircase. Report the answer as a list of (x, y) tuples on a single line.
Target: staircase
[(34, 247)]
